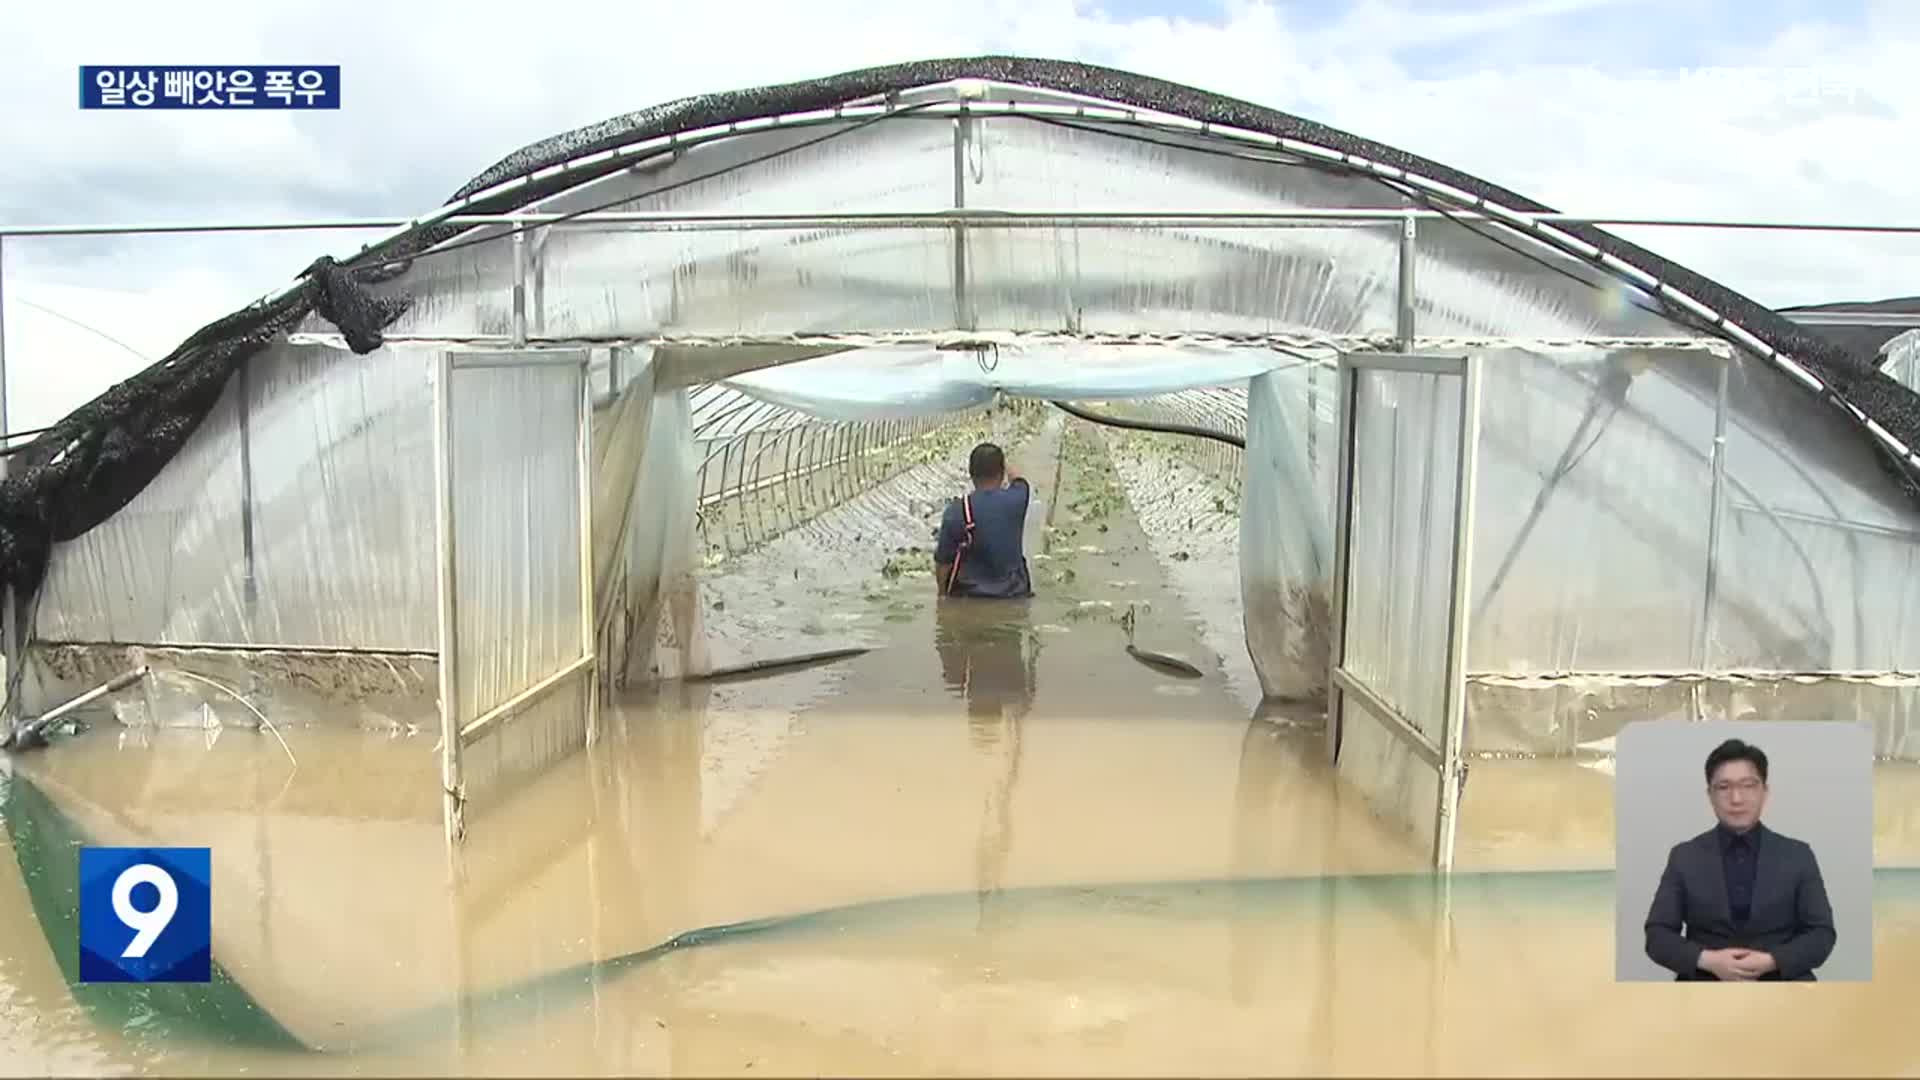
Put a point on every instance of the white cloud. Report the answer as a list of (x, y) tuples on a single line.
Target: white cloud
[(1813, 124)]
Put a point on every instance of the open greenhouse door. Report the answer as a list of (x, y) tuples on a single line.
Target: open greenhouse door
[(513, 468), (1408, 431)]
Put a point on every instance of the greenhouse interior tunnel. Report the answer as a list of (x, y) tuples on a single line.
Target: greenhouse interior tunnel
[(1428, 486)]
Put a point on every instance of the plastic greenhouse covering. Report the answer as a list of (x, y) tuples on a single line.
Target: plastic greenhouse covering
[(1902, 359), (1619, 567)]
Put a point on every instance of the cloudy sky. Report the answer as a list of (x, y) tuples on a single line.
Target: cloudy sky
[(1777, 109)]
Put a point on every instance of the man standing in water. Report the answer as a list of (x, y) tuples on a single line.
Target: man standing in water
[(1752, 902), (979, 550)]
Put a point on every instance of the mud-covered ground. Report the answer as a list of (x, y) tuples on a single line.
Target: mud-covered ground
[(862, 575)]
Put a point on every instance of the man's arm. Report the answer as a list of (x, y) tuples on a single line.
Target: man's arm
[(1665, 917), (946, 547), (1809, 948)]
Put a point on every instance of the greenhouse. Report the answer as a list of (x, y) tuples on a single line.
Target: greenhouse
[(1500, 483)]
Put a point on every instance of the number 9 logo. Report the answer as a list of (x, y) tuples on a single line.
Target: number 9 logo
[(147, 925)]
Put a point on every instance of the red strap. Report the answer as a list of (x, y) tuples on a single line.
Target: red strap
[(953, 573)]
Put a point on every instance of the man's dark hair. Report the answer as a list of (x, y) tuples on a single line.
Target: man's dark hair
[(1735, 750), (987, 462)]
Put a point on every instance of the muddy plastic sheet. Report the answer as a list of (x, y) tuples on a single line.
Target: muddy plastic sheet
[(46, 844)]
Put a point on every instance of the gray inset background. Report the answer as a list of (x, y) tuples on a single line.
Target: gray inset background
[(1821, 780)]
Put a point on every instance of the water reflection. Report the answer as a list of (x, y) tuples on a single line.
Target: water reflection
[(989, 657)]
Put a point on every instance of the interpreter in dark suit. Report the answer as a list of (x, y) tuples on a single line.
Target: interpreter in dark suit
[(1740, 902)]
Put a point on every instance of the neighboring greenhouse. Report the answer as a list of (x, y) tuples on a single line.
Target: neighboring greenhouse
[(1584, 486)]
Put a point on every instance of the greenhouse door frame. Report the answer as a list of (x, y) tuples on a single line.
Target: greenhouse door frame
[(1349, 694), (456, 734)]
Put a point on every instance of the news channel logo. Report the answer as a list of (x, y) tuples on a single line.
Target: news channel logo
[(209, 86), (146, 915)]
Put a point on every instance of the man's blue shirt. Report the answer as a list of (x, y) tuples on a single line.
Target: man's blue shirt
[(994, 564)]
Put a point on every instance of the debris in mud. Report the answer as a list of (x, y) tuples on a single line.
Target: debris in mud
[(1164, 662), (779, 664), (1090, 609), (908, 561)]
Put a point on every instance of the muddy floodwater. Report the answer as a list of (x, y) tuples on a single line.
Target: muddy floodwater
[(995, 844)]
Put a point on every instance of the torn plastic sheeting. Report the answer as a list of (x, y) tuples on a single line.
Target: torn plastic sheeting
[(871, 384)]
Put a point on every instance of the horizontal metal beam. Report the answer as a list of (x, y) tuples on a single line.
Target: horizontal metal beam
[(1853, 318), (933, 219), (1890, 677), (318, 651), (1359, 693), (523, 358), (828, 341), (520, 702), (1412, 363)]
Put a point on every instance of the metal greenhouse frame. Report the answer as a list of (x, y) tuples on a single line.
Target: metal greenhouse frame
[(503, 304)]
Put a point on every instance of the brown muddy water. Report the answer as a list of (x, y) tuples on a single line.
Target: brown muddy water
[(994, 845)]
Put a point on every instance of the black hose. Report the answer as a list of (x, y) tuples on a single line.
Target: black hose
[(1148, 425), (776, 664)]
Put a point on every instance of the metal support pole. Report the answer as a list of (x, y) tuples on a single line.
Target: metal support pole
[(1716, 511), (520, 288), (249, 581), (962, 138), (1452, 748), (1347, 381), (14, 652), (538, 254), (4, 429), (1408, 249), (588, 623), (114, 685), (451, 780)]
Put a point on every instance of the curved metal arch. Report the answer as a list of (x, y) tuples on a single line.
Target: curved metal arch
[(595, 150)]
